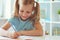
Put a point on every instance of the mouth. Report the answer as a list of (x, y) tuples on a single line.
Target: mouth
[(24, 16)]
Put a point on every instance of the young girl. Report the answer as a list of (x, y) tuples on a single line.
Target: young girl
[(25, 20)]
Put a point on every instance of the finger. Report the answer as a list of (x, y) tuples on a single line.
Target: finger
[(14, 36)]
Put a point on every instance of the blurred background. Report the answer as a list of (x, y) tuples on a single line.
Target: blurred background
[(56, 29), (56, 11)]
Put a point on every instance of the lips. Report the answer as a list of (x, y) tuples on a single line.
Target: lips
[(24, 16)]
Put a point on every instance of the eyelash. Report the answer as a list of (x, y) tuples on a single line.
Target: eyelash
[(27, 12), (21, 11)]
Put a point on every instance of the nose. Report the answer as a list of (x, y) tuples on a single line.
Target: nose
[(24, 14)]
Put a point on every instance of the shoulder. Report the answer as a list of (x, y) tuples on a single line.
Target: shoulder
[(37, 23), (13, 19)]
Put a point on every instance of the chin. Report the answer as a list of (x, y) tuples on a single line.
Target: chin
[(24, 19)]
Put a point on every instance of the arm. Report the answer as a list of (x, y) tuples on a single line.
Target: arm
[(37, 32), (6, 26), (3, 30)]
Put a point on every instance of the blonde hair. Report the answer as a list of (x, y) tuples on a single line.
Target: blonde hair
[(36, 14)]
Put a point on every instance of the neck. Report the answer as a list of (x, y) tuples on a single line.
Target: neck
[(23, 20)]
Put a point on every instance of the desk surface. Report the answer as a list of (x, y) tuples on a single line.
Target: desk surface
[(5, 38), (52, 37), (24, 38), (33, 38)]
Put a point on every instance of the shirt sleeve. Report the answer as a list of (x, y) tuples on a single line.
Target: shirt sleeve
[(12, 21)]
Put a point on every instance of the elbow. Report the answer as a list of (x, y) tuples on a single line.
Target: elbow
[(40, 33)]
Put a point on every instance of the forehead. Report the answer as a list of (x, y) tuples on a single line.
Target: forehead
[(26, 7)]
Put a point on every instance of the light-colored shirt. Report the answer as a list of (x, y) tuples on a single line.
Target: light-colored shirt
[(20, 25)]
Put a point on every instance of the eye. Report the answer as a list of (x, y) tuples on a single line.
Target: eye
[(28, 12), (21, 11)]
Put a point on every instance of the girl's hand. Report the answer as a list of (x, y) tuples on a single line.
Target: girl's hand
[(12, 35), (15, 35)]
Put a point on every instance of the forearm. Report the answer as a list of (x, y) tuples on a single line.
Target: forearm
[(31, 33)]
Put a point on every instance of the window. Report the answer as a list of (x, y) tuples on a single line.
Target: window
[(50, 16), (5, 8)]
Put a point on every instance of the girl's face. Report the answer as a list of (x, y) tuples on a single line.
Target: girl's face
[(25, 11)]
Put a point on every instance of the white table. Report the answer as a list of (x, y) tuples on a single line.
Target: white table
[(33, 38), (5, 38), (24, 38), (52, 37)]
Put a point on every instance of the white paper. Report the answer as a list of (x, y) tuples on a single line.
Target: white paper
[(3, 32), (6, 38), (31, 37)]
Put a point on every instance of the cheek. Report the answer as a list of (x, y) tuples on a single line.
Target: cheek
[(29, 14), (20, 14)]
